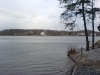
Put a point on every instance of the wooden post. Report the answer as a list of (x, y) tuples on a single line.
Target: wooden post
[(81, 50)]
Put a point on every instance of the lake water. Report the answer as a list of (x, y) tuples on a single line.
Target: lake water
[(37, 55)]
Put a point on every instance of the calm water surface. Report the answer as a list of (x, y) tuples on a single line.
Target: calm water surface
[(36, 55)]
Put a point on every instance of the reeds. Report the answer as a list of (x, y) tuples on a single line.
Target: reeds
[(72, 50)]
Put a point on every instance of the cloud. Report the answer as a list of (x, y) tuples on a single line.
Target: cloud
[(32, 14), (8, 13), (17, 20), (42, 22), (19, 14), (11, 19), (53, 16)]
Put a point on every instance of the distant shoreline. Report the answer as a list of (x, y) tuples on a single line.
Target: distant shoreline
[(40, 32)]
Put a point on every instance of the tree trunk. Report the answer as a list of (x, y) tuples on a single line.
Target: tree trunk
[(92, 26), (86, 34)]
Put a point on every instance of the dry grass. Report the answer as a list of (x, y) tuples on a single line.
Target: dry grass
[(72, 50)]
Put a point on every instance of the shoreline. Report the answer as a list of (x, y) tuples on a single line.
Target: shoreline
[(86, 63)]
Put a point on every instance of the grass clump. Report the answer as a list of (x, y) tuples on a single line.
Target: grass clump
[(72, 50)]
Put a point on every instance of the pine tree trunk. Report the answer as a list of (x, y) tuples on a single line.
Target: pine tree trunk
[(92, 26), (86, 34)]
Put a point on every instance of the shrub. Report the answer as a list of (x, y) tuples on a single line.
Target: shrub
[(72, 49)]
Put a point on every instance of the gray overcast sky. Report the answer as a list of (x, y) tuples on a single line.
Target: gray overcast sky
[(32, 14)]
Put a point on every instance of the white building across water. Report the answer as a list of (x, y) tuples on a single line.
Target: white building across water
[(42, 34)]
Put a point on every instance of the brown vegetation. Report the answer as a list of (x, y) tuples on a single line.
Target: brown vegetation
[(72, 50)]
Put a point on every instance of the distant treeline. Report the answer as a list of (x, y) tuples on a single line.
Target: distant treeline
[(32, 32), (37, 32)]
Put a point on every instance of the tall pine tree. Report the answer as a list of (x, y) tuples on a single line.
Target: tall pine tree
[(73, 8)]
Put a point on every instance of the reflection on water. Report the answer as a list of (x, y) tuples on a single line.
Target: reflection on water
[(25, 55)]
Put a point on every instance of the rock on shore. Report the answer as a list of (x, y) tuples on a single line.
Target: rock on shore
[(86, 70), (87, 62)]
